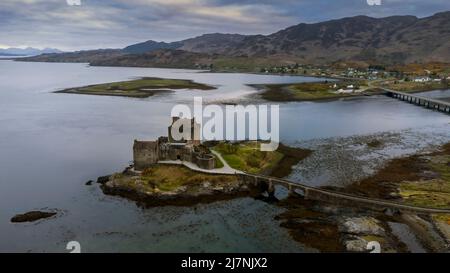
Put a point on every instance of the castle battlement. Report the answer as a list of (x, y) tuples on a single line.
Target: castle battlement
[(148, 153)]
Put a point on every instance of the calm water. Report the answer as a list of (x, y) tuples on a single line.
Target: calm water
[(51, 144)]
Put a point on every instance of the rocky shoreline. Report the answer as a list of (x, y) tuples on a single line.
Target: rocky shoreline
[(332, 228), (209, 188), (326, 227), (421, 180)]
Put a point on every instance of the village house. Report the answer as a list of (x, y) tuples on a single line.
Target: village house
[(422, 79)]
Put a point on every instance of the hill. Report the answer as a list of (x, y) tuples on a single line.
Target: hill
[(390, 41)]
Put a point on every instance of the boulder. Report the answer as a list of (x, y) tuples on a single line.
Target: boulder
[(32, 216), (103, 179), (355, 244), (361, 226)]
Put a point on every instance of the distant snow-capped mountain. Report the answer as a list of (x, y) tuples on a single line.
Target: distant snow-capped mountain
[(29, 51)]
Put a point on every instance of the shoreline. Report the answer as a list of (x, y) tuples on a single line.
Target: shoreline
[(208, 194), (280, 93), (206, 187), (420, 179), (142, 87), (323, 226), (261, 89)]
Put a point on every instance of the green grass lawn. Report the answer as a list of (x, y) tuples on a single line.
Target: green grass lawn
[(247, 157)]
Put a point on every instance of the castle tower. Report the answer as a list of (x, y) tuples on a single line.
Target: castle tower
[(193, 134)]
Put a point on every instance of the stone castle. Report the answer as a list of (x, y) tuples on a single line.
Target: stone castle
[(148, 153)]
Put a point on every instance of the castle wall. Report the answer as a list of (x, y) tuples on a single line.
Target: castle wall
[(148, 153), (175, 152), (145, 154), (207, 162)]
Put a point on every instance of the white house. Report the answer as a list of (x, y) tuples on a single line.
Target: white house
[(422, 79), (344, 91)]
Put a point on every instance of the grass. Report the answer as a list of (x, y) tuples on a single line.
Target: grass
[(442, 218), (140, 88), (219, 164), (169, 178), (425, 198), (420, 180), (411, 86), (430, 193), (247, 157), (374, 238), (312, 91), (306, 91)]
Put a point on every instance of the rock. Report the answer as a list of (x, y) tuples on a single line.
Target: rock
[(374, 143), (428, 175), (361, 226), (391, 212), (32, 216), (355, 244), (103, 179), (182, 189), (394, 195), (89, 183), (128, 170)]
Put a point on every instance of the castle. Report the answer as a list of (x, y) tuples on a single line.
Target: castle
[(148, 153)]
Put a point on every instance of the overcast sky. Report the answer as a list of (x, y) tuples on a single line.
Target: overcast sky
[(115, 24)]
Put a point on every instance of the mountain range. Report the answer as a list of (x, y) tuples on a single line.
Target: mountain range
[(29, 51), (389, 40)]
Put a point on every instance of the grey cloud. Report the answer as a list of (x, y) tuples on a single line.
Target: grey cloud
[(52, 23)]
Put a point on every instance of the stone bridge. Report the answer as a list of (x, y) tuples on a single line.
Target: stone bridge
[(313, 193), (438, 105), (317, 194)]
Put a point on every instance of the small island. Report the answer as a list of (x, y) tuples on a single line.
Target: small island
[(140, 88), (170, 172)]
